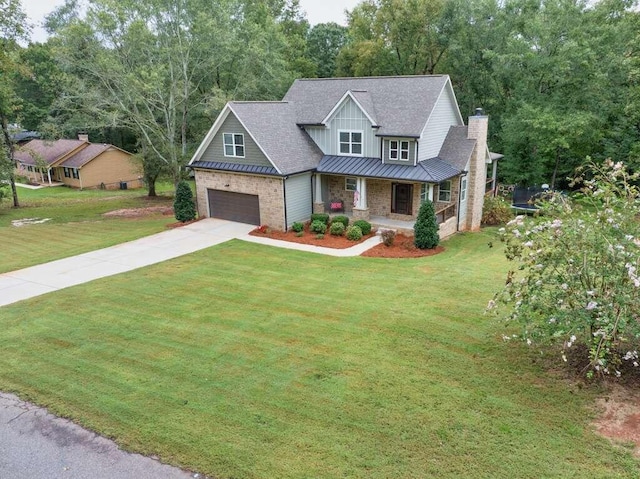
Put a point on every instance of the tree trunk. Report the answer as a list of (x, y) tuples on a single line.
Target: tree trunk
[(12, 177), (152, 188)]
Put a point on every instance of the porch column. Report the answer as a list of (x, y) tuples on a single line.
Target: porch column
[(49, 175), (430, 192), (318, 204), (494, 177), (360, 208)]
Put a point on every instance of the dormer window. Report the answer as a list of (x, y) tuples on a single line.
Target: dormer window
[(399, 150), (350, 143), (234, 145)]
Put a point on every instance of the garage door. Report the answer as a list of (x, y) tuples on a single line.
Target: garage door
[(234, 206)]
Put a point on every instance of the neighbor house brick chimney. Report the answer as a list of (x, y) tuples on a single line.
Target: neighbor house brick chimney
[(477, 130), (83, 137)]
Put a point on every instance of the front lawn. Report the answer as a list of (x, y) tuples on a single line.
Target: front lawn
[(248, 361), (76, 223)]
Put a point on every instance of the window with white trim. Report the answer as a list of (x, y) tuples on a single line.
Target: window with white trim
[(233, 145), (350, 142), (444, 191), (399, 150), (350, 184), (463, 189), (424, 192), (75, 173)]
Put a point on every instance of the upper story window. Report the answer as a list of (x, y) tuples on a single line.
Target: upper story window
[(350, 143), (399, 150), (444, 191), (234, 144)]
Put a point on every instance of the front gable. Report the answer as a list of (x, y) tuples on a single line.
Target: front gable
[(230, 142), (346, 117)]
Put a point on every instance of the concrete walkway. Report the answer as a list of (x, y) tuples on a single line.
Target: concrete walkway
[(45, 278)]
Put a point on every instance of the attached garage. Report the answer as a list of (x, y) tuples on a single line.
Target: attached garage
[(231, 206)]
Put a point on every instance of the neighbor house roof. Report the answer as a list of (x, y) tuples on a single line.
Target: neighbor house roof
[(401, 105), (48, 151), (85, 155), (428, 171)]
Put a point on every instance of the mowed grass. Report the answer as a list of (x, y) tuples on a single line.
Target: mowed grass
[(247, 361), (76, 223)]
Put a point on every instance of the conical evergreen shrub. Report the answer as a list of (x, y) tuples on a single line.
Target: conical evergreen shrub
[(425, 230), (183, 206)]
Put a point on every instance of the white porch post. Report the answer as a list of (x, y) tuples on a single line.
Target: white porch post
[(431, 192), (362, 188), (318, 196), (494, 177), (49, 175)]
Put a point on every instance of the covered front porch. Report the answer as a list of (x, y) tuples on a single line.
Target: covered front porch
[(386, 204)]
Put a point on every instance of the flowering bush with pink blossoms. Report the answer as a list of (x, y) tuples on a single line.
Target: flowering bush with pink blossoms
[(576, 278)]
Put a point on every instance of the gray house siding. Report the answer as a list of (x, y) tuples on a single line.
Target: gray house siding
[(442, 117), (348, 118), (412, 152), (299, 203), (252, 154)]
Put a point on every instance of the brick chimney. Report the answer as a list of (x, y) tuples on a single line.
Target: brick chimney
[(477, 130), (83, 137)]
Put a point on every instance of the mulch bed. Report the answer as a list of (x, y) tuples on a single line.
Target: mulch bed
[(402, 247)]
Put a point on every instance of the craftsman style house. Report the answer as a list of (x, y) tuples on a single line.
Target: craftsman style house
[(373, 147), (77, 163)]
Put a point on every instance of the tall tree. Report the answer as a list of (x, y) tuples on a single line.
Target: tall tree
[(13, 27), (324, 42)]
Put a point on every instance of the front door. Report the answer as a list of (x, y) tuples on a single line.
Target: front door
[(401, 198)]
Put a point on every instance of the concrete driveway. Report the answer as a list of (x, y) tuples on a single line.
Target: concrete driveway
[(45, 278)]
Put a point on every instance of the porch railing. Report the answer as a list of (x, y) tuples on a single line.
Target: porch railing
[(445, 213)]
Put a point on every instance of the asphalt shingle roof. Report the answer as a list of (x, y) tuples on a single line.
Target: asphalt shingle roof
[(401, 105), (273, 126), (49, 151), (429, 171), (457, 148), (85, 155)]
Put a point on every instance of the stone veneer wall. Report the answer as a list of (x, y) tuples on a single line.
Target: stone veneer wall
[(448, 228), (269, 190), (337, 192), (477, 130)]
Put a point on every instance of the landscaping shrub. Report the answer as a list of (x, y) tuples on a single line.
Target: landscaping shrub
[(299, 234), (297, 227), (320, 236), (425, 230), (322, 217), (183, 206), (496, 211), (341, 219), (365, 226), (388, 237), (337, 229), (354, 233), (318, 226)]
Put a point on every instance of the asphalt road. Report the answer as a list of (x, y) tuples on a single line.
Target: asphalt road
[(37, 445)]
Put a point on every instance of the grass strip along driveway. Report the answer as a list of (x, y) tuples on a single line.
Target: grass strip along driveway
[(248, 361)]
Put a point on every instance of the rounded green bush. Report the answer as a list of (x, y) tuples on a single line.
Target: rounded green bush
[(340, 219), (183, 205), (318, 226), (425, 231), (323, 217), (354, 233), (337, 229), (297, 227), (365, 226)]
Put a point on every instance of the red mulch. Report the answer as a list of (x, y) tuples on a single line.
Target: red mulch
[(180, 223), (402, 247), (329, 240)]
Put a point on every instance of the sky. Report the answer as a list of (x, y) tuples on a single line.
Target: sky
[(318, 11)]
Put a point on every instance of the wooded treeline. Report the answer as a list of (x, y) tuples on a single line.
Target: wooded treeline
[(560, 79)]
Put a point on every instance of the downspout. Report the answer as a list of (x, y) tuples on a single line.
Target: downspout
[(284, 194), (79, 177)]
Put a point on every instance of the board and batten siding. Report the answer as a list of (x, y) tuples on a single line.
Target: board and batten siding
[(348, 117), (252, 153), (298, 196), (443, 116), (412, 152)]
